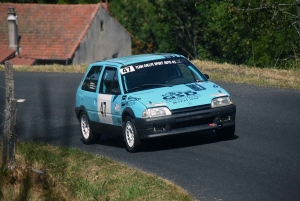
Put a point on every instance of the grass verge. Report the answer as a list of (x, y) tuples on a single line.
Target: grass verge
[(258, 76), (45, 172), (217, 72)]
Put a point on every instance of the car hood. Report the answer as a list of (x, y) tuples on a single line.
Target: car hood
[(179, 96)]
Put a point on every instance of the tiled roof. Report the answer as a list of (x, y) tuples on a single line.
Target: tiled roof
[(5, 53), (19, 61), (48, 31)]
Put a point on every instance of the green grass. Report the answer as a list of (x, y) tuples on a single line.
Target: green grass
[(71, 174)]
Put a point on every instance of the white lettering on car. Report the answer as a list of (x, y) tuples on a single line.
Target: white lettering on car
[(126, 69)]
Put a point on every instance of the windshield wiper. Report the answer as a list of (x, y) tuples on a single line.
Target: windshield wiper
[(146, 86)]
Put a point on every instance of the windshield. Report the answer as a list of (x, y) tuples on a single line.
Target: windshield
[(159, 73)]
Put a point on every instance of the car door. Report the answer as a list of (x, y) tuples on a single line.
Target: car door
[(89, 96), (109, 98)]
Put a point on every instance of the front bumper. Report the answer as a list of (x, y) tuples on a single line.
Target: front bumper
[(184, 122)]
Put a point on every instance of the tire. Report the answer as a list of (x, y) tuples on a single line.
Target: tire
[(131, 136), (88, 136), (226, 132)]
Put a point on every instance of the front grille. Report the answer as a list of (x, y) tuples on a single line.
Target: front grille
[(194, 122), (191, 109)]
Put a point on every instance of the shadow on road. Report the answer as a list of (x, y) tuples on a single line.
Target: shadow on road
[(182, 141), (166, 143)]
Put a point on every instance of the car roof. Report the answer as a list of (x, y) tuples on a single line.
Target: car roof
[(127, 60)]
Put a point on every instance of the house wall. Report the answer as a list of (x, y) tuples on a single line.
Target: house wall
[(98, 44)]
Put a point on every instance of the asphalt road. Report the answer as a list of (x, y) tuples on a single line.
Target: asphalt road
[(262, 162)]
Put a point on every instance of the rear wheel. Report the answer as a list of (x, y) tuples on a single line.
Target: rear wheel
[(88, 136), (226, 132), (131, 137)]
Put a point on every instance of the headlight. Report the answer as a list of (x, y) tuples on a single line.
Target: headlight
[(220, 102), (156, 112)]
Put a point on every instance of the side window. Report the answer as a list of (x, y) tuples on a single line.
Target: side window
[(91, 80), (109, 82)]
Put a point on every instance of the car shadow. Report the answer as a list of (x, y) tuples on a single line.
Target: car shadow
[(111, 140), (66, 135), (183, 141), (168, 142)]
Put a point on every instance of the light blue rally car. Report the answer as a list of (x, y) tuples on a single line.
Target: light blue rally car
[(148, 96)]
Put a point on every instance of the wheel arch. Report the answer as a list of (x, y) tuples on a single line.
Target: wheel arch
[(127, 112), (82, 109)]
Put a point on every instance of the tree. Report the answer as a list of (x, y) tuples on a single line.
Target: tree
[(186, 19), (279, 35), (145, 21), (238, 32)]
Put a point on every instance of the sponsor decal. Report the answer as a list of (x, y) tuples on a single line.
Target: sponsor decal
[(131, 103), (130, 98), (215, 86), (157, 63), (180, 97), (131, 68), (117, 108), (195, 87)]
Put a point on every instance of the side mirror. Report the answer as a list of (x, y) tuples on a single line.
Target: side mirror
[(207, 76)]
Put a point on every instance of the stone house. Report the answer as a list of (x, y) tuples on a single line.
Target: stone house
[(63, 34)]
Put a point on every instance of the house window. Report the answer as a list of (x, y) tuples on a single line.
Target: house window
[(101, 25)]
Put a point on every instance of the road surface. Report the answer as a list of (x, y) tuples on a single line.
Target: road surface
[(262, 162)]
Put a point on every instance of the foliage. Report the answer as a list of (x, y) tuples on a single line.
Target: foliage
[(255, 33), (146, 21), (259, 35)]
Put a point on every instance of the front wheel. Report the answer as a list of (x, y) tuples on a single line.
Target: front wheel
[(131, 137), (87, 133), (226, 132)]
